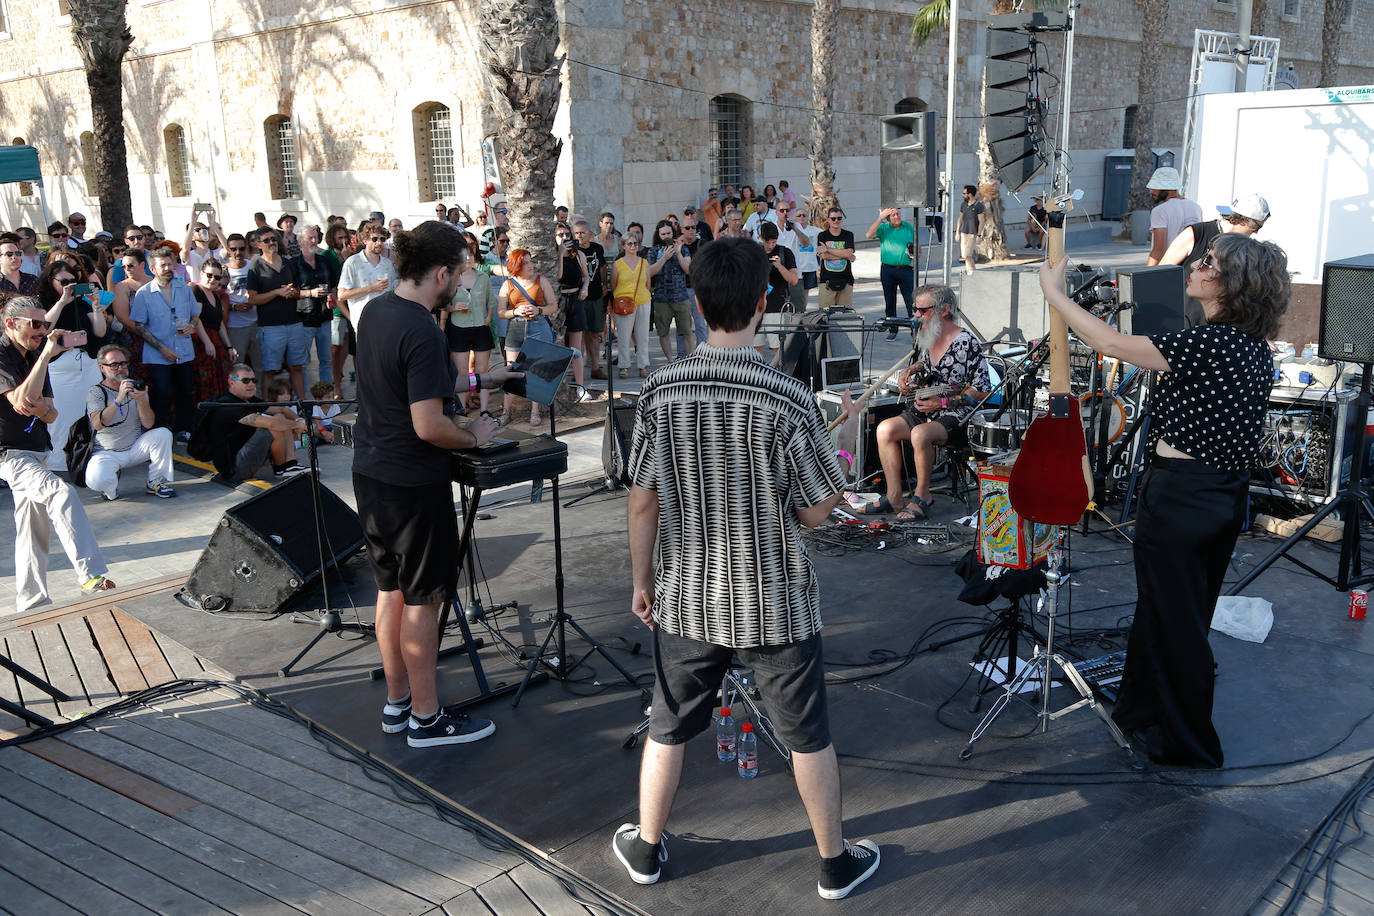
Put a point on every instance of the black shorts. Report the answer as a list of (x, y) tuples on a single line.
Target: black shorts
[(574, 313), (790, 678), (956, 432), (809, 280), (461, 340), (412, 538)]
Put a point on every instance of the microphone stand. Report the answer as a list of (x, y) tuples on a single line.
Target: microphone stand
[(328, 620)]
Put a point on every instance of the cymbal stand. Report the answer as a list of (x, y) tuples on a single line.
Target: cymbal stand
[(1041, 667)]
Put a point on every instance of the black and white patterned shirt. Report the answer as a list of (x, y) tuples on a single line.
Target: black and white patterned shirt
[(1211, 403), (733, 448), (962, 365)]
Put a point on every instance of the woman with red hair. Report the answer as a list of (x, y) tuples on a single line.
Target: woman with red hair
[(527, 301)]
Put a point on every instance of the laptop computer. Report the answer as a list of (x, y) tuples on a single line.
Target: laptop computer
[(842, 373)]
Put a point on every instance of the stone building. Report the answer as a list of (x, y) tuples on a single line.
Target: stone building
[(318, 107)]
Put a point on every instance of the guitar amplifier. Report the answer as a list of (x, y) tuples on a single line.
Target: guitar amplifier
[(878, 409)]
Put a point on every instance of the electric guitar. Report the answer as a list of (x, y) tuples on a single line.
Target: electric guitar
[(922, 376), (1051, 482)]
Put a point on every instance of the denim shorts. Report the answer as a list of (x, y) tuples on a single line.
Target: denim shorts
[(790, 678), (283, 345)]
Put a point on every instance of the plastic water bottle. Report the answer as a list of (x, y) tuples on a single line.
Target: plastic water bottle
[(725, 735), (748, 752)]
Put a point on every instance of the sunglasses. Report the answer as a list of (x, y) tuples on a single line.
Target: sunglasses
[(924, 308), (835, 217), (118, 365), (245, 381), (63, 281), (238, 247), (57, 235), (39, 324), (133, 238), (209, 276), (377, 238), (1209, 262)]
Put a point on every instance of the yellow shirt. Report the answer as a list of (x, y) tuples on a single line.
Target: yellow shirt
[(633, 283)]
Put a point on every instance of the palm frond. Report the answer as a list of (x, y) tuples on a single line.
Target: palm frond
[(928, 20)]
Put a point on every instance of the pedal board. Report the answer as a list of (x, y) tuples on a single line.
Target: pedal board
[(1103, 674)]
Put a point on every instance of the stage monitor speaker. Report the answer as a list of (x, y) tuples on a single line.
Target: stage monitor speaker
[(615, 443), (907, 160), (1157, 296), (264, 550), (1347, 332)]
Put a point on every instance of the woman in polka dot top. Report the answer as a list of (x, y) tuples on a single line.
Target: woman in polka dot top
[(1208, 409)]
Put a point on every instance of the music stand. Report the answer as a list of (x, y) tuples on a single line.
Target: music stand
[(561, 618)]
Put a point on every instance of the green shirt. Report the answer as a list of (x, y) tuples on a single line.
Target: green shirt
[(479, 301), (893, 241)]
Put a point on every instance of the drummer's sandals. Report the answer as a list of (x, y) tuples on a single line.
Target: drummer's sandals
[(915, 510), (881, 507)]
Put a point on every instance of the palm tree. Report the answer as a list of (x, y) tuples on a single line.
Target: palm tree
[(523, 80), (930, 18), (824, 18), (1333, 19), (102, 37), (1154, 16)]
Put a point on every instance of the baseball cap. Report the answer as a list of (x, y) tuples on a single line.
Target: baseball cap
[(1251, 206), (1165, 179)]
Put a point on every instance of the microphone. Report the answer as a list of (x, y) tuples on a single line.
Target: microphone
[(897, 322)]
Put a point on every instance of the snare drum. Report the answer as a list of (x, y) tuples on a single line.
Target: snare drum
[(988, 436)]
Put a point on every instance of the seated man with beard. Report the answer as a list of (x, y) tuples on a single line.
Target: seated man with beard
[(946, 356)]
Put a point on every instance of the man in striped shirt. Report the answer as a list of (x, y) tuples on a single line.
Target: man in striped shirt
[(730, 459)]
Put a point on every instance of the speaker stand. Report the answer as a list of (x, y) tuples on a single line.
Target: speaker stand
[(329, 620), (561, 618), (1350, 502)]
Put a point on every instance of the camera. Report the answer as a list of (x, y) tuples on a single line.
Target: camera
[(137, 384)]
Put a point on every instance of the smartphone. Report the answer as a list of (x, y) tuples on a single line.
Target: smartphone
[(201, 208), (83, 289), (72, 339)]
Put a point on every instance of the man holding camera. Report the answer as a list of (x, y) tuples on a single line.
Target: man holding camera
[(165, 314), (43, 503), (124, 430)]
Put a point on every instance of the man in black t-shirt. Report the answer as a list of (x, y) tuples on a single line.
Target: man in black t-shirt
[(43, 502), (835, 250), (1035, 223), (243, 438), (598, 271), (272, 289), (401, 457), (782, 274)]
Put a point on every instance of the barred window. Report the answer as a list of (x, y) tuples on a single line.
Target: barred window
[(1292, 9), (282, 175), (178, 166), (435, 174), (88, 163), (730, 154)]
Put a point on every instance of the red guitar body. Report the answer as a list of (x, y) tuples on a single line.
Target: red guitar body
[(1051, 482)]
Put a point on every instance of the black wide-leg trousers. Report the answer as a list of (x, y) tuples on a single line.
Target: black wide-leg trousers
[(1189, 518)]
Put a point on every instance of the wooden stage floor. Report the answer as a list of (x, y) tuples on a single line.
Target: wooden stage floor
[(1036, 823)]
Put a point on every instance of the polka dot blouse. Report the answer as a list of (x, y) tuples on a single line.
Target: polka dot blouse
[(1211, 403)]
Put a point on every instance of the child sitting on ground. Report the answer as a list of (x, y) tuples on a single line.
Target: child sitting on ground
[(322, 418)]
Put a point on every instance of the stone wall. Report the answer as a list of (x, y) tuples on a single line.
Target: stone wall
[(638, 82)]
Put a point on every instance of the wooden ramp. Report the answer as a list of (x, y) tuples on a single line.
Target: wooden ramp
[(204, 803)]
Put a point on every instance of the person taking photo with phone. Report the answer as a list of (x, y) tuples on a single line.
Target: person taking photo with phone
[(43, 502), (72, 308)]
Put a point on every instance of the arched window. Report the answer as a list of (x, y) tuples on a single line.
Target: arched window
[(88, 163), (282, 177), (434, 170), (909, 105), (730, 152), (178, 168), (1128, 127), (25, 187)]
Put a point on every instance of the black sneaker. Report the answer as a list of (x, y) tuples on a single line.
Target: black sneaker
[(448, 728), (848, 870), (395, 716), (290, 469), (640, 859)]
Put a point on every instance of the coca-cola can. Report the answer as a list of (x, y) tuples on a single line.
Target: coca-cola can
[(1359, 603)]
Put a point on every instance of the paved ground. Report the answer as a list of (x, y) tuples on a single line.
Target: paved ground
[(146, 538)]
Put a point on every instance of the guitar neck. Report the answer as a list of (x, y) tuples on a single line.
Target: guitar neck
[(1059, 331)]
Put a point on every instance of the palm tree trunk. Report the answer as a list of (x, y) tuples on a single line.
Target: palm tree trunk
[(1333, 17), (102, 37), (1154, 16), (523, 84), (824, 19), (993, 239)]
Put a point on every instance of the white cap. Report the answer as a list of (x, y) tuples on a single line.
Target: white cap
[(1251, 206), (1165, 179)]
